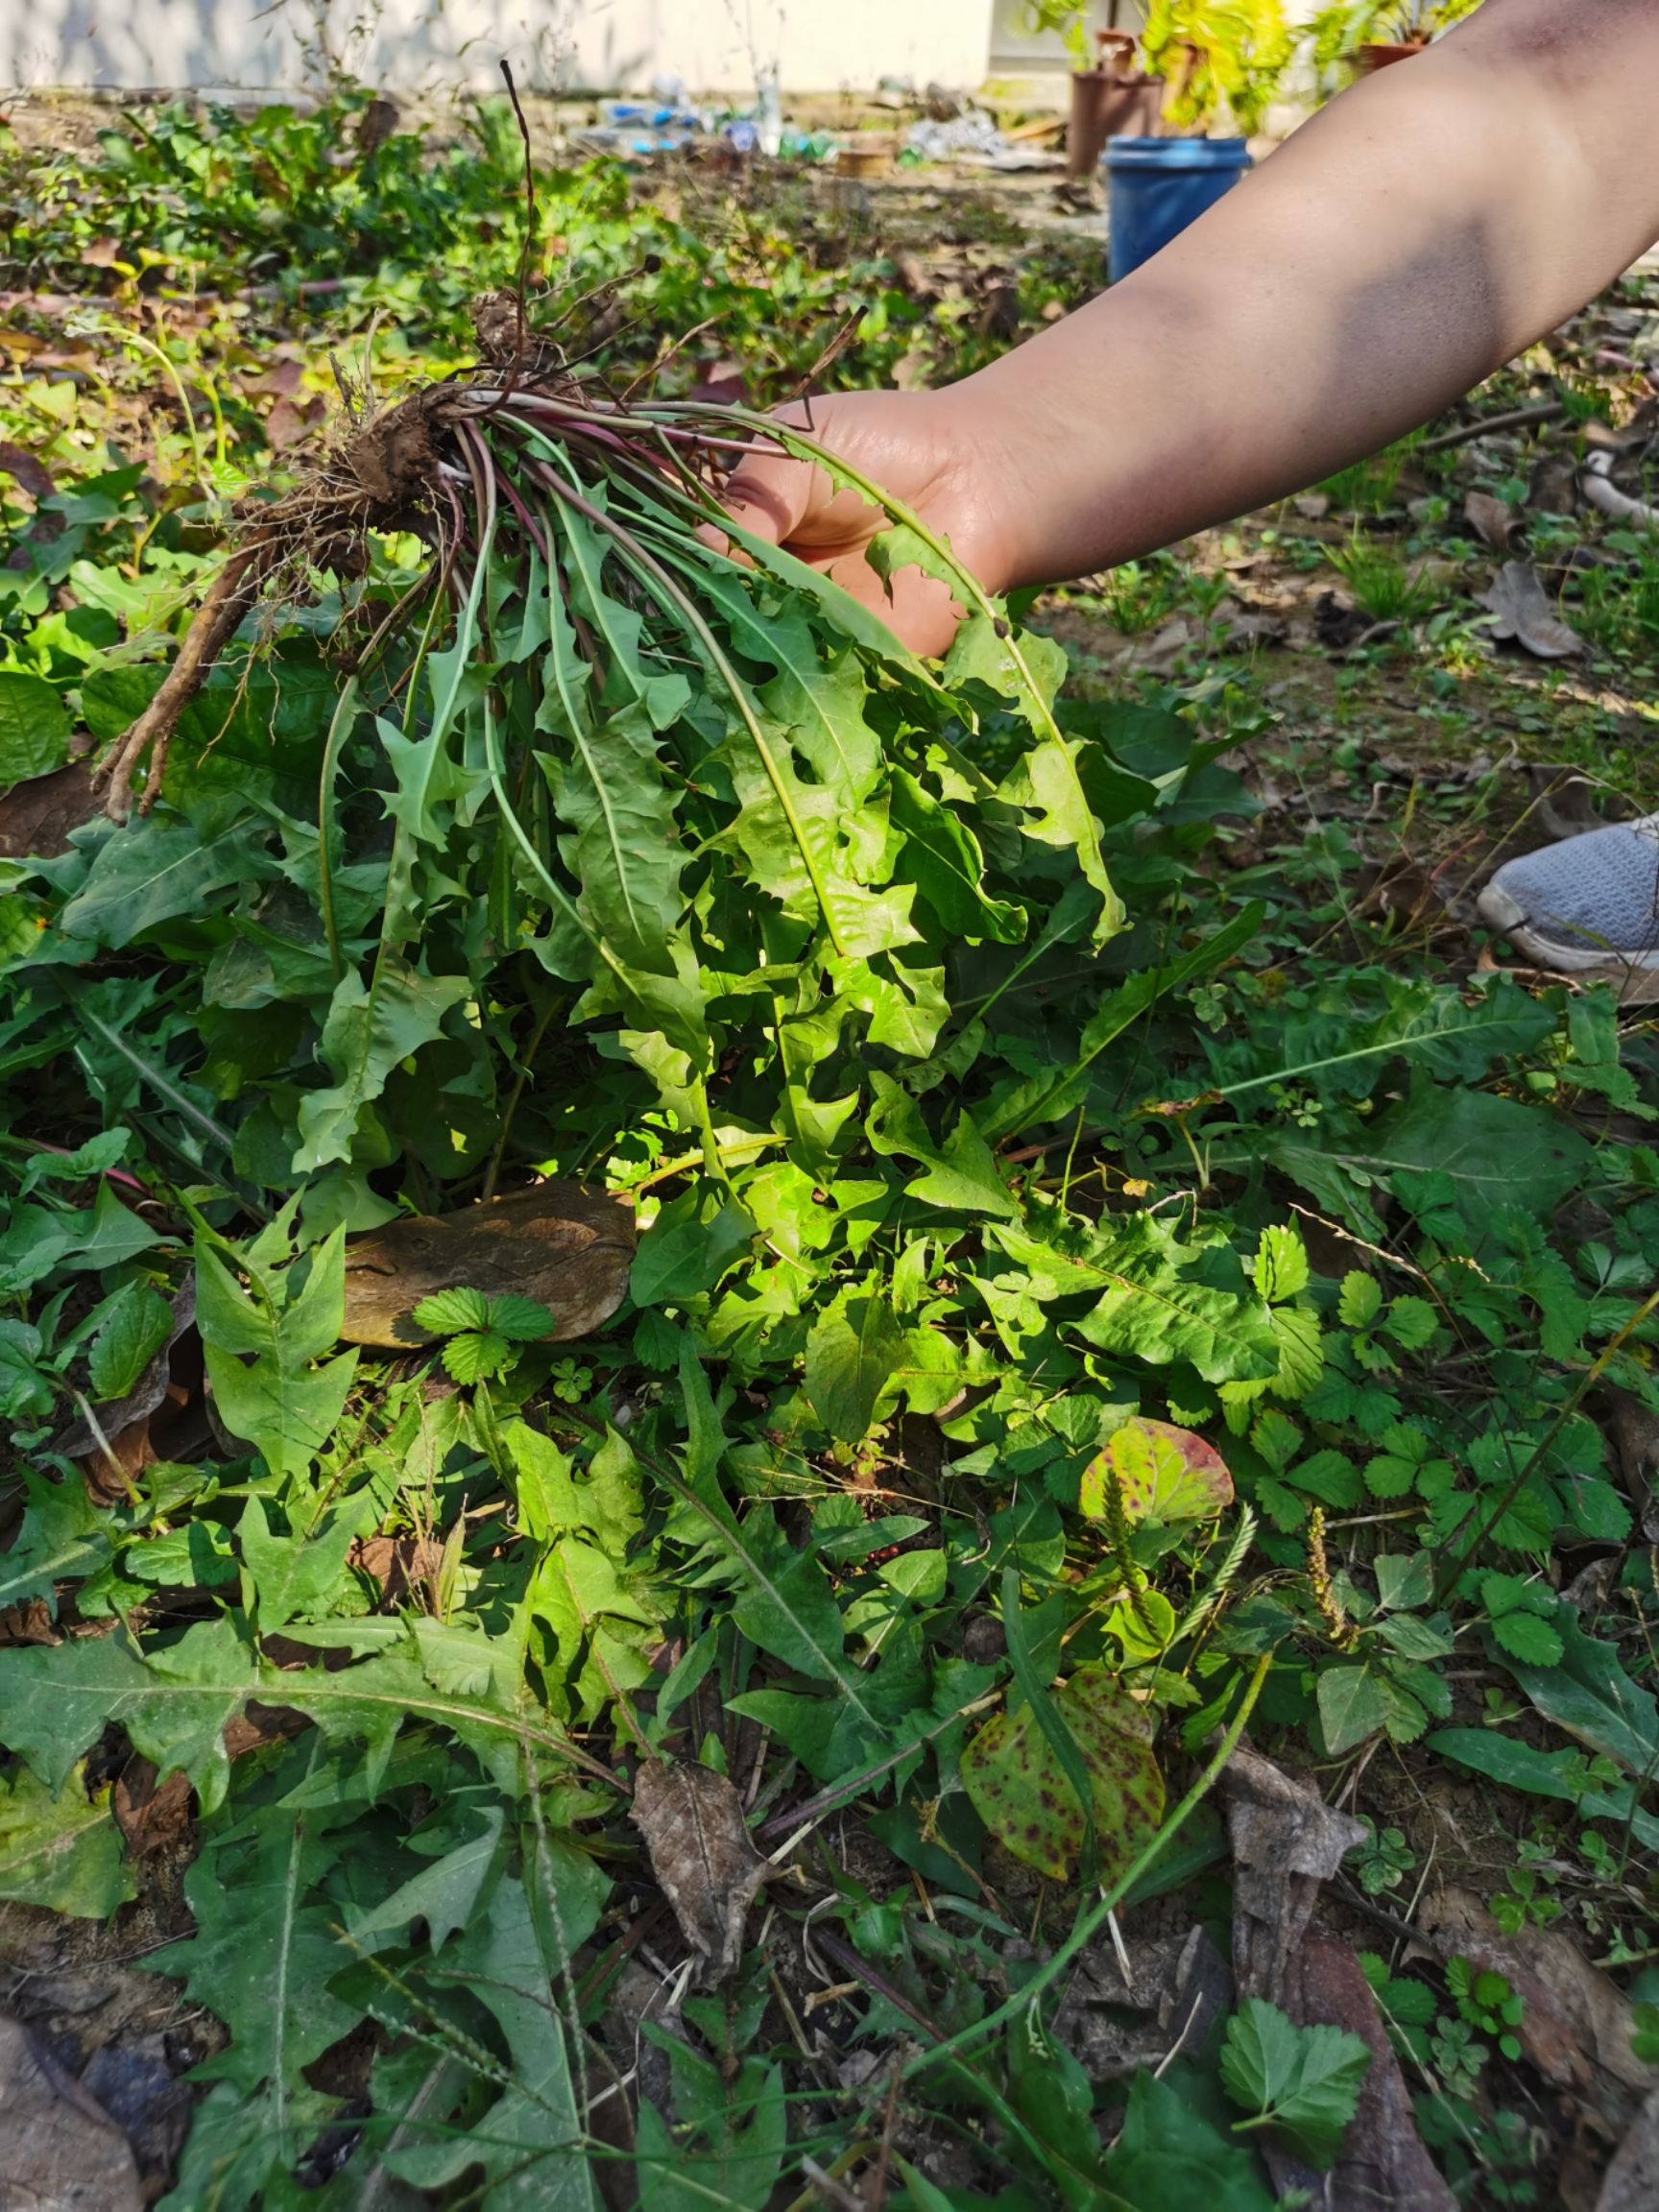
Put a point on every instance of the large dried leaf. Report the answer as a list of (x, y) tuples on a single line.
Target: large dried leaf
[(1522, 611), (705, 1866), (1577, 2022), (1163, 1474), (1285, 1842), (566, 1247), (1013, 1777), (1631, 2183), (59, 2149)]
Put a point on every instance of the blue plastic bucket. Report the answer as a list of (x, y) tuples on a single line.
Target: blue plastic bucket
[(1156, 186)]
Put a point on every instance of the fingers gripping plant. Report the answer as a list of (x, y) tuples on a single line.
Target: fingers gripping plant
[(718, 798)]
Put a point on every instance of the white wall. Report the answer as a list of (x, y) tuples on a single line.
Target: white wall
[(413, 45)]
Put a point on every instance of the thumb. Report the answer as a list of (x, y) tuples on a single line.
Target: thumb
[(772, 495)]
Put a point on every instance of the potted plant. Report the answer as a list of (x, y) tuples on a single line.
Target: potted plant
[(1353, 37), (1111, 97), (1222, 60)]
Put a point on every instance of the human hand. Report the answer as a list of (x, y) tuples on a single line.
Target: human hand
[(930, 452)]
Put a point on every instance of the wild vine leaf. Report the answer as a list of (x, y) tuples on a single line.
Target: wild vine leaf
[(1014, 1782), (1162, 1474)]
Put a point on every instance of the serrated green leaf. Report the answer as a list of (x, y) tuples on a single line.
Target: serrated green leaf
[(525, 1320), (447, 1313), (63, 1852), (1303, 2083), (476, 1356), (1524, 1636), (1360, 1301), (1280, 1265)]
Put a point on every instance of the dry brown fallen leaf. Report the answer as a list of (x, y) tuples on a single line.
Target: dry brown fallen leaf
[(1286, 1841), (1575, 2024), (1631, 2182), (701, 1853), (37, 817), (59, 2150), (567, 1247), (1491, 520), (1520, 610), (1384, 2160)]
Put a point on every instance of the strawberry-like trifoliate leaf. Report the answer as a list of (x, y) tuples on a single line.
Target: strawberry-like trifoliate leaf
[(447, 1313), (478, 1356)]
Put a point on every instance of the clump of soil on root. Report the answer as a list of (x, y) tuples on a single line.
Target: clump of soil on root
[(414, 467)]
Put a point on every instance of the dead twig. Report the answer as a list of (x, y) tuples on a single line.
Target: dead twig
[(1519, 418)]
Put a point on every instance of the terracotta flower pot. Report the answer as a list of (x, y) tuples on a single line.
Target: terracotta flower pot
[(1114, 101), (1368, 60)]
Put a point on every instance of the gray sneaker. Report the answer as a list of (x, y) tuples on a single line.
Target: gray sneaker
[(1588, 907)]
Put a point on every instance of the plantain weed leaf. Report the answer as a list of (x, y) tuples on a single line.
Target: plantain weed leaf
[(1014, 1779), (1591, 1697), (1302, 2082), (1162, 1474)]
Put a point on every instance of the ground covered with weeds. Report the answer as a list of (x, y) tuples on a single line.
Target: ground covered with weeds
[(790, 1429)]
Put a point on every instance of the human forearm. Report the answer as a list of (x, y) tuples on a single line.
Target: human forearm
[(1418, 233)]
